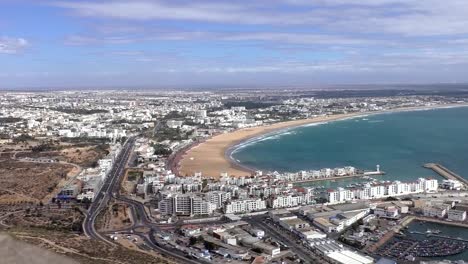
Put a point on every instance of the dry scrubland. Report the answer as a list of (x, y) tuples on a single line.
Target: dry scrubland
[(47, 218), (83, 156), (23, 181), (29, 182), (117, 216), (82, 249)]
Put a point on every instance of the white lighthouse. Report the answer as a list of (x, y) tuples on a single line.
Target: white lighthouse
[(377, 168)]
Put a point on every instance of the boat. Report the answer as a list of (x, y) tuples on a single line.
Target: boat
[(432, 231)]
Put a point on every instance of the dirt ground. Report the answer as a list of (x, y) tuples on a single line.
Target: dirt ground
[(129, 181), (24, 180), (29, 182), (117, 216), (82, 249), (15, 251), (48, 218), (86, 156)]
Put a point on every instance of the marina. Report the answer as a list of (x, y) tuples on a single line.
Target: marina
[(427, 240), (357, 175), (404, 248)]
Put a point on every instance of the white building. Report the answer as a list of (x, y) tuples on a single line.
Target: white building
[(283, 201), (174, 123), (185, 205), (337, 253), (390, 211), (435, 211), (376, 191), (456, 215), (244, 206), (451, 184), (200, 113), (218, 198)]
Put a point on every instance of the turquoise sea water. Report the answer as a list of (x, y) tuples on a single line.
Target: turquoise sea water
[(399, 142)]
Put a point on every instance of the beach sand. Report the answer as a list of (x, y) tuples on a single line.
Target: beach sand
[(210, 157)]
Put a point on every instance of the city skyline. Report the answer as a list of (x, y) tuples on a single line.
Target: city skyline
[(222, 43)]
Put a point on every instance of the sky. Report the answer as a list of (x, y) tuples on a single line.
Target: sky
[(182, 43)]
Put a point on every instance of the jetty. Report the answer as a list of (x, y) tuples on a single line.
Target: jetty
[(444, 172), (438, 236)]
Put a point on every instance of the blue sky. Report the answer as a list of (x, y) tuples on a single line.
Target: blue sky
[(156, 43)]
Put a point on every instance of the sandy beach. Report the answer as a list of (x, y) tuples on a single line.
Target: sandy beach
[(210, 157)]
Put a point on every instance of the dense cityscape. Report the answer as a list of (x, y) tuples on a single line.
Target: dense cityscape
[(243, 132), (106, 169)]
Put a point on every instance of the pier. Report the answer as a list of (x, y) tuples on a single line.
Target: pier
[(439, 236), (444, 172), (389, 235)]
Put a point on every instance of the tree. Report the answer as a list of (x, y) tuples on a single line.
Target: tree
[(210, 246), (192, 241), (200, 239)]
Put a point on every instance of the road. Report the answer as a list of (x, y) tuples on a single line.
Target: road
[(286, 237), (102, 198), (110, 189), (157, 126)]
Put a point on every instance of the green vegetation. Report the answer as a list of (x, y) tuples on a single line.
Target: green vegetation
[(42, 147), (23, 138), (174, 115), (166, 133), (83, 141), (250, 104), (7, 120), (162, 150), (80, 111), (134, 175)]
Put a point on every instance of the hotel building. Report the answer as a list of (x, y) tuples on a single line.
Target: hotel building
[(376, 191)]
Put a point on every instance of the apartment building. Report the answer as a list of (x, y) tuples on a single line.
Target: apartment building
[(244, 206)]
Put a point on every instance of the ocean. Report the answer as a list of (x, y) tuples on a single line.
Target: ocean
[(400, 142)]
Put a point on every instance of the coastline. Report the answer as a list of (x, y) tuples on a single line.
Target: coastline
[(213, 156)]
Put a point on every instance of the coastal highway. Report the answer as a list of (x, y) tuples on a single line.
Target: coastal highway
[(109, 185), (110, 189)]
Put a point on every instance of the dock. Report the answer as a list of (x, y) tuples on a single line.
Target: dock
[(439, 236), (389, 235), (444, 172)]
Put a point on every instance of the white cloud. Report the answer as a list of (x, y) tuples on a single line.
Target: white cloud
[(10, 45), (273, 37), (404, 17)]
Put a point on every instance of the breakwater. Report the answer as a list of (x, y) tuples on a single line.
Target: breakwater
[(444, 172)]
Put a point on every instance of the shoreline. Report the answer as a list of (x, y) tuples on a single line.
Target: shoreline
[(213, 156)]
